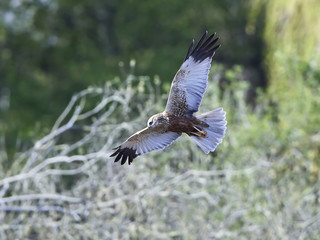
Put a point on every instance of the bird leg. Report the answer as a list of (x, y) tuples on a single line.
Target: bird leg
[(199, 132)]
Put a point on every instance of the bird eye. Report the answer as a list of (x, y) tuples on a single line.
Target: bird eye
[(150, 123)]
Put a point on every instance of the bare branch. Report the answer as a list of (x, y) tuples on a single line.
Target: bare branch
[(47, 196)]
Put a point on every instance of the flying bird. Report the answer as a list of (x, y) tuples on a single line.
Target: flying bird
[(187, 90)]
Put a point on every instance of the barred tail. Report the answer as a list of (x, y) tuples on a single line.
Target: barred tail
[(216, 120)]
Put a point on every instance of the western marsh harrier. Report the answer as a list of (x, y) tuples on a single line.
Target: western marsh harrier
[(187, 90)]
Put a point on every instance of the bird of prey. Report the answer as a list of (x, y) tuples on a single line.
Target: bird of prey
[(187, 90)]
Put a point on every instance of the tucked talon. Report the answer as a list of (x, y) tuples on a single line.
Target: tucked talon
[(202, 134), (199, 132)]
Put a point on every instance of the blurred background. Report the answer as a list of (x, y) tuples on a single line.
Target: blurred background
[(79, 77)]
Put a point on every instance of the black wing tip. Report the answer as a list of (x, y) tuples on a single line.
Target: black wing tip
[(203, 49), (116, 148), (190, 49), (124, 154)]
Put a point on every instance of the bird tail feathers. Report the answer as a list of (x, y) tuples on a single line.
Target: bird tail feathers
[(216, 120)]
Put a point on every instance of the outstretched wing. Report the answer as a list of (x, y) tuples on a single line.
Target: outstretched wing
[(190, 82), (144, 141)]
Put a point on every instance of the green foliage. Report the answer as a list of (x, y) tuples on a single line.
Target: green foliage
[(291, 60), (51, 49)]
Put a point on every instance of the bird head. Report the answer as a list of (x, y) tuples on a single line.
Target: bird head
[(157, 119)]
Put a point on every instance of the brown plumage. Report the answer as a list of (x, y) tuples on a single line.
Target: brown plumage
[(189, 125)]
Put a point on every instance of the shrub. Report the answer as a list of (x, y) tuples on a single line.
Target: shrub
[(261, 181)]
